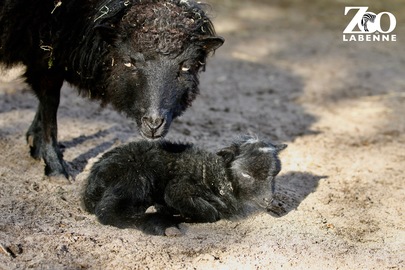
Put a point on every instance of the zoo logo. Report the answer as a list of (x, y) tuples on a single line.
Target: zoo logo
[(369, 25)]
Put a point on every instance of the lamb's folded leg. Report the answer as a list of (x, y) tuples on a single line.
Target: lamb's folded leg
[(119, 209), (198, 205)]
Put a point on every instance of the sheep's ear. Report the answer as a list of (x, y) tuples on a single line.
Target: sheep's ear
[(107, 32), (228, 154), (210, 44), (108, 18)]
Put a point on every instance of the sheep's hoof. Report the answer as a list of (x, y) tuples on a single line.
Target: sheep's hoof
[(35, 146), (59, 179), (58, 173)]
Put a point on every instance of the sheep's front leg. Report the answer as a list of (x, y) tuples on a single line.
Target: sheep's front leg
[(43, 132)]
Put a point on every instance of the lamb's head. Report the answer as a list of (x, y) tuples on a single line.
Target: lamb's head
[(158, 49), (253, 164)]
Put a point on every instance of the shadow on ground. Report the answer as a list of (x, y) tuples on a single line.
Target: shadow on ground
[(291, 189)]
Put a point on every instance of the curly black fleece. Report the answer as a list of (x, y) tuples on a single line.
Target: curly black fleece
[(180, 179)]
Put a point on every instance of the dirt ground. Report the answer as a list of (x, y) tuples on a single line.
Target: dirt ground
[(285, 74)]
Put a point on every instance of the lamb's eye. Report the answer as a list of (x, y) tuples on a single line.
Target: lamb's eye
[(246, 175)]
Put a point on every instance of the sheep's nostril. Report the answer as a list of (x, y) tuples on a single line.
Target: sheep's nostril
[(152, 122)]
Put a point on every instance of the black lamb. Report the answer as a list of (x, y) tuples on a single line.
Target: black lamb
[(142, 56), (183, 182)]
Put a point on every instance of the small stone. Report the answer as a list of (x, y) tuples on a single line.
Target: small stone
[(173, 232)]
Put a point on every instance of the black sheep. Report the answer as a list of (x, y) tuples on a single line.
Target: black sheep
[(184, 183), (142, 56)]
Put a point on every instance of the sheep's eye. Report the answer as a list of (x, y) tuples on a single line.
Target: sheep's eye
[(246, 175), (131, 65), (185, 67)]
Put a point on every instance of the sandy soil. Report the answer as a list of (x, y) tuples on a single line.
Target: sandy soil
[(284, 74)]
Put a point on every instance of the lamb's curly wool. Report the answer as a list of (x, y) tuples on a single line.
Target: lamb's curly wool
[(183, 182), (141, 56)]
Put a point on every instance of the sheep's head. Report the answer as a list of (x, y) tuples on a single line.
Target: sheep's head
[(254, 164), (159, 47)]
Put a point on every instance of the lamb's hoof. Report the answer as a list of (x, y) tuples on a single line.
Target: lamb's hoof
[(173, 232)]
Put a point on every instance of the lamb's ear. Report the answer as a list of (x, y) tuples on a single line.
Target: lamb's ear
[(210, 44), (281, 147), (227, 153)]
